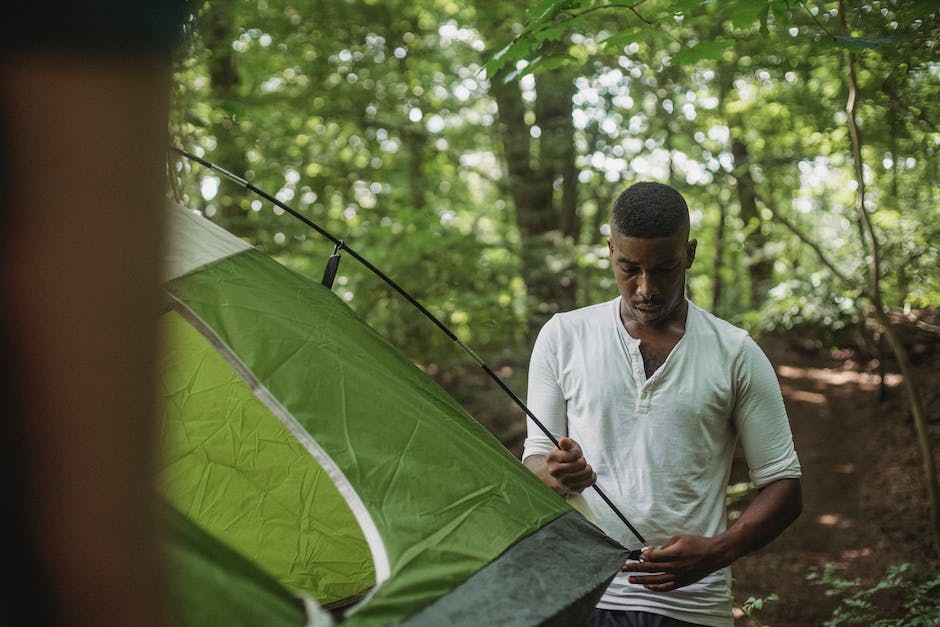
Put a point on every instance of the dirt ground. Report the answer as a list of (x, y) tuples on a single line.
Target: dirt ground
[(864, 492), (864, 489)]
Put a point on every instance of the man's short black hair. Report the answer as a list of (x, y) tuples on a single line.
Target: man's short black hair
[(650, 210)]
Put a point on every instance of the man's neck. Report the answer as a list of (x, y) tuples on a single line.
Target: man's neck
[(657, 341)]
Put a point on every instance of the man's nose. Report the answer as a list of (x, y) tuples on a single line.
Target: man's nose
[(645, 287)]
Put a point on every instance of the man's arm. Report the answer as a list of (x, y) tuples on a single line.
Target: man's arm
[(563, 469), (685, 559)]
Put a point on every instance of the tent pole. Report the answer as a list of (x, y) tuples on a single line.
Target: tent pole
[(330, 274)]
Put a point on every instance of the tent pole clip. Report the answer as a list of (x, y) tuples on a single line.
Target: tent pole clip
[(332, 265)]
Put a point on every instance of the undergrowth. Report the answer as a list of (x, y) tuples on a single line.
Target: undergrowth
[(908, 595)]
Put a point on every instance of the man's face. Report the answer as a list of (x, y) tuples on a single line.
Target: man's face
[(650, 274)]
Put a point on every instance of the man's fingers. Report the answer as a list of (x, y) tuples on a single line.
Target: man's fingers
[(649, 580), (580, 484), (663, 587), (567, 465), (666, 552), (572, 478), (563, 457), (567, 450), (567, 444), (663, 582)]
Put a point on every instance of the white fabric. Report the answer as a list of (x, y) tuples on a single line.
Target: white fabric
[(662, 447), (194, 241)]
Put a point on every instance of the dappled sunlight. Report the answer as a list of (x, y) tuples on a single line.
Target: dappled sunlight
[(846, 556), (834, 520), (864, 380), (807, 397), (844, 469), (852, 554)]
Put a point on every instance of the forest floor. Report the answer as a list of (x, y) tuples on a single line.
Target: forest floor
[(864, 493)]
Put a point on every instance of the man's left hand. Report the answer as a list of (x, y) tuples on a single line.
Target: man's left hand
[(683, 560)]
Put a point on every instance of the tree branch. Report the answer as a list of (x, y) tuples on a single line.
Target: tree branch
[(805, 239), (897, 346)]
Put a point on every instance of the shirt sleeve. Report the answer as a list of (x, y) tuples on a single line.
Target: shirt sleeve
[(761, 419), (545, 398)]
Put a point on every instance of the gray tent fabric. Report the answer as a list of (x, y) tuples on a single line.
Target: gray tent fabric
[(538, 563)]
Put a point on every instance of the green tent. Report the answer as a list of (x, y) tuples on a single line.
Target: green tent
[(298, 441)]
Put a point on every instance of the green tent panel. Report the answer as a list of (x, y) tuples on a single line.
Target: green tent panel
[(301, 438), (214, 585), (222, 443)]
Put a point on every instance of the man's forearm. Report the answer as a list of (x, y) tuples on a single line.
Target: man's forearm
[(685, 559), (776, 506)]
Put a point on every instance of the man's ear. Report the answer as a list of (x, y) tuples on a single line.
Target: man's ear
[(690, 252), (610, 246)]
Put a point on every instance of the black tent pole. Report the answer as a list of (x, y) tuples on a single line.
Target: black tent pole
[(330, 273)]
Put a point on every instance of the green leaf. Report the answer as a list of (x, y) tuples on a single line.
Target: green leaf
[(616, 43), (865, 43), (549, 33), (547, 64), (919, 10), (744, 13), (497, 62), (705, 50), (542, 64), (519, 73), (685, 7), (781, 11), (544, 11), (517, 49)]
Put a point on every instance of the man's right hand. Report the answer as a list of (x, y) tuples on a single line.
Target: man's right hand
[(567, 466)]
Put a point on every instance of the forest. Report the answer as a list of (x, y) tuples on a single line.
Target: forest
[(472, 151)]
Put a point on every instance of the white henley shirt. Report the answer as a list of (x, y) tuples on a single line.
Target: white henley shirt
[(661, 447)]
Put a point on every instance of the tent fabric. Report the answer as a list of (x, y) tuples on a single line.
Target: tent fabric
[(292, 428), (243, 595), (222, 443), (537, 563)]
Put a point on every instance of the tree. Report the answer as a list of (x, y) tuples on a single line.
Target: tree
[(536, 134), (371, 121), (899, 40)]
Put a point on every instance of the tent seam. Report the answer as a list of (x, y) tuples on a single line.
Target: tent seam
[(344, 486)]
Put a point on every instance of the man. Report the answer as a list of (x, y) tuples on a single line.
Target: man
[(654, 393)]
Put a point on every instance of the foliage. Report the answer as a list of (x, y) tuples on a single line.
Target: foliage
[(550, 20), (907, 595), (368, 120), (753, 605), (380, 122), (696, 78)]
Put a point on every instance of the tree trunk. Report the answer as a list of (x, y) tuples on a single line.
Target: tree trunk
[(717, 261), (545, 219), (874, 278), (219, 28), (759, 266)]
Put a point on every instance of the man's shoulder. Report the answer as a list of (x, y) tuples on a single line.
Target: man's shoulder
[(709, 325), (582, 323), (591, 314)]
